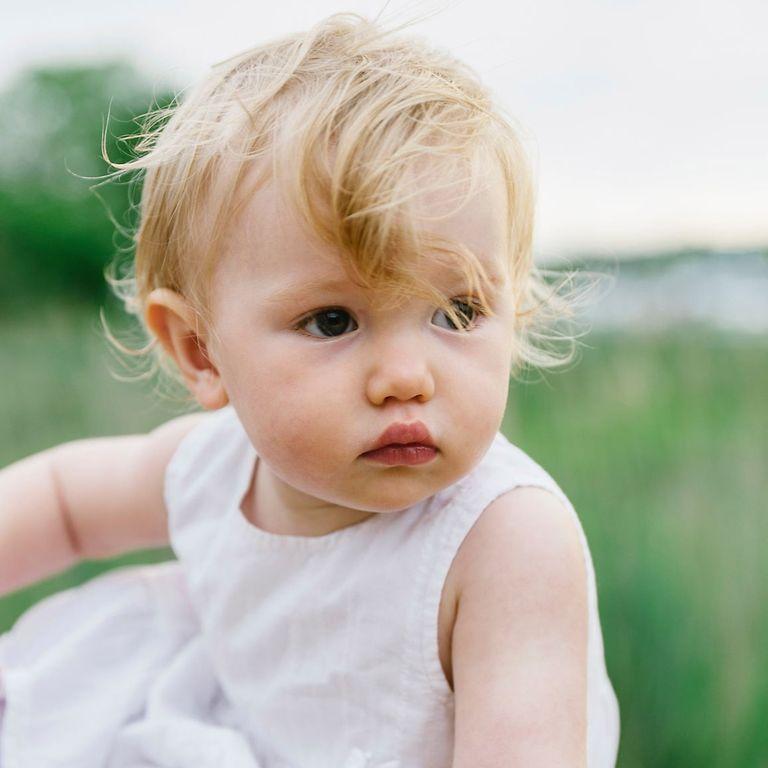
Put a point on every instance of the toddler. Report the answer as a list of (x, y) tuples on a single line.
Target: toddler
[(334, 253)]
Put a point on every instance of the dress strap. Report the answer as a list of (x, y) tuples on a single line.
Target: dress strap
[(503, 468), (206, 476)]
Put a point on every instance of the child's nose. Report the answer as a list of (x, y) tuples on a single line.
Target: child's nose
[(400, 373)]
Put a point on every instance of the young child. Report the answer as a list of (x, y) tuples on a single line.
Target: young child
[(335, 253)]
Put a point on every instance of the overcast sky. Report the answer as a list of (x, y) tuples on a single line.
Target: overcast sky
[(647, 119)]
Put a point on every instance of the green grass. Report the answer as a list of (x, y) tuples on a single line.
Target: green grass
[(661, 444)]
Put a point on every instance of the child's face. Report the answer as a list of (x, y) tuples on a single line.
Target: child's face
[(314, 400)]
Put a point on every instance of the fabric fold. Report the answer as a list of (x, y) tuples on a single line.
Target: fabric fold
[(77, 666)]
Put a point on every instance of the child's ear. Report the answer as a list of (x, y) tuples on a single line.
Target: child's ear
[(170, 317)]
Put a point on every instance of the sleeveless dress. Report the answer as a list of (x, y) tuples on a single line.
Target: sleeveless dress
[(263, 650)]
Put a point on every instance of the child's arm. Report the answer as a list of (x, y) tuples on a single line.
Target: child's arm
[(519, 646), (85, 499)]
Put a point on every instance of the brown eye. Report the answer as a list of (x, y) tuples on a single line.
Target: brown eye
[(467, 311), (327, 323)]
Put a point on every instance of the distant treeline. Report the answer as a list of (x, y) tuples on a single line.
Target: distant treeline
[(59, 225)]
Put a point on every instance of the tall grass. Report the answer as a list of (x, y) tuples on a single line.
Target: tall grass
[(660, 442), (662, 445)]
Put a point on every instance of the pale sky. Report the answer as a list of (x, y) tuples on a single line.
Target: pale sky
[(647, 119)]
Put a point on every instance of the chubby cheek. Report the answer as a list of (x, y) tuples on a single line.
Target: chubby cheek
[(295, 421), (482, 391)]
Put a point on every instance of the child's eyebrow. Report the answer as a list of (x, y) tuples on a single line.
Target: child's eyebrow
[(294, 291)]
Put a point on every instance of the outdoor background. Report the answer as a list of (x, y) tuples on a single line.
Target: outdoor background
[(647, 124)]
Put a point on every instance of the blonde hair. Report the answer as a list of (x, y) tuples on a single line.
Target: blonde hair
[(344, 116)]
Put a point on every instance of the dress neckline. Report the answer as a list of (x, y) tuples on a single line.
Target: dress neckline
[(262, 538)]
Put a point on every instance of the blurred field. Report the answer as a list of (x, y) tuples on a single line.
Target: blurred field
[(661, 444)]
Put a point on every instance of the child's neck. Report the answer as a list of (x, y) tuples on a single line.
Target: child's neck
[(274, 506)]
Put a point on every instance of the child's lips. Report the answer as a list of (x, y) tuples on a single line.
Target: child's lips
[(403, 443), (401, 434), (410, 453)]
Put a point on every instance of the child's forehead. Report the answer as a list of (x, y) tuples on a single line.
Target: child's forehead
[(294, 287), (270, 237)]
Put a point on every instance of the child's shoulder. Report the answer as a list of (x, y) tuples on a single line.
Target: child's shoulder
[(520, 576), (506, 467), (528, 526), (527, 529)]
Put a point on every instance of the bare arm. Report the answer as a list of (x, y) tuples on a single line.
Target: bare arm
[(520, 638), (86, 499)]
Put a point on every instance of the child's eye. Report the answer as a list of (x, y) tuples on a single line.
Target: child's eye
[(327, 322), (468, 311)]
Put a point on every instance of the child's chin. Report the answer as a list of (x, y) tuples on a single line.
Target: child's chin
[(397, 504)]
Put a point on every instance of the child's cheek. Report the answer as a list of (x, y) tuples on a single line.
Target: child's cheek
[(299, 423)]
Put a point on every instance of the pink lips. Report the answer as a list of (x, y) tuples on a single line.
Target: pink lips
[(403, 444)]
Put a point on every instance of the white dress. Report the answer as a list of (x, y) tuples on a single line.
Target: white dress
[(259, 650)]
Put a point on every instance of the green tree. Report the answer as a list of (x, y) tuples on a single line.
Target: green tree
[(56, 228)]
